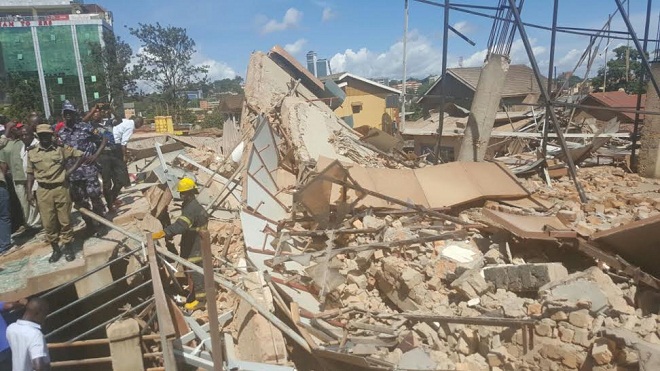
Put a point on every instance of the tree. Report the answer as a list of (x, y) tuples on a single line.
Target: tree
[(228, 85), (616, 72), (214, 119), (24, 94), (165, 60), (112, 60)]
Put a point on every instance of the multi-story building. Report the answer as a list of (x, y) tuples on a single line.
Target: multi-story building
[(50, 41), (318, 67)]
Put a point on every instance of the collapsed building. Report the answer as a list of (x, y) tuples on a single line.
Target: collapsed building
[(329, 250)]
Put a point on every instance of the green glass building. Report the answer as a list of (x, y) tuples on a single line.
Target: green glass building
[(50, 41)]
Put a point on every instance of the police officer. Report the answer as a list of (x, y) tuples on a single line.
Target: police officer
[(84, 181), (192, 220), (45, 164)]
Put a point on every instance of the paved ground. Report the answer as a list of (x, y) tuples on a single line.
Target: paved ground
[(26, 271)]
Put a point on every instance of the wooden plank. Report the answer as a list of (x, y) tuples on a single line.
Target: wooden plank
[(211, 305), (165, 323)]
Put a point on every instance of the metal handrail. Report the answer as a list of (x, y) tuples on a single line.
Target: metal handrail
[(96, 292), (78, 319), (73, 281), (139, 306)]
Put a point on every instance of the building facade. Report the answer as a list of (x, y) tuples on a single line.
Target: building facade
[(50, 41), (318, 67), (367, 102)]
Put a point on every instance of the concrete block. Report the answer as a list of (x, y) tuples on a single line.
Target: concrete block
[(601, 354), (524, 278), (580, 318), (471, 284), (125, 349)]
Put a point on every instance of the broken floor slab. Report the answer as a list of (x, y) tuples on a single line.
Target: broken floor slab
[(592, 286), (526, 277)]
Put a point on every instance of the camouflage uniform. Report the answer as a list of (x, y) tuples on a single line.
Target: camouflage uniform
[(84, 181)]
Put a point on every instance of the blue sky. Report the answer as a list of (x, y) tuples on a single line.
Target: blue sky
[(362, 36)]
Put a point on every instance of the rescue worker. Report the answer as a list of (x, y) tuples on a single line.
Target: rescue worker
[(45, 164), (84, 181), (192, 220)]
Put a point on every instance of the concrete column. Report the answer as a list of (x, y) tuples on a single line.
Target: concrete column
[(125, 347), (649, 153), (485, 104)]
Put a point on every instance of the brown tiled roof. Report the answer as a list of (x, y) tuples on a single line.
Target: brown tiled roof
[(519, 79)]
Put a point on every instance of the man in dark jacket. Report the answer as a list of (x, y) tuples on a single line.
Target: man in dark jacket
[(192, 220)]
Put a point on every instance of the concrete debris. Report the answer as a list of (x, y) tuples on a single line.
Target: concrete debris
[(380, 262), (523, 278)]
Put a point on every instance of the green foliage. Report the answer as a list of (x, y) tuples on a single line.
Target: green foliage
[(227, 86), (112, 61), (214, 119), (165, 62), (24, 94), (616, 72)]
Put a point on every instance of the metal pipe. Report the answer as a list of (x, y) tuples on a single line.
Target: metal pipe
[(211, 305), (95, 292), (109, 224), (245, 296), (405, 57), (546, 97), (640, 49), (235, 183), (81, 362), (94, 342), (441, 113), (137, 307), (104, 305), (633, 154), (61, 287), (551, 64), (527, 24)]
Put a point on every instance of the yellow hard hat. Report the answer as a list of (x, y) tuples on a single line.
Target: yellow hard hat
[(186, 184)]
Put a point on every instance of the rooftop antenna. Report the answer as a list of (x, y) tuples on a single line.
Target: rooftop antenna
[(460, 61)]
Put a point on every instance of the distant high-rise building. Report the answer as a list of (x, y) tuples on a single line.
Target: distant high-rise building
[(50, 42), (323, 68), (311, 62)]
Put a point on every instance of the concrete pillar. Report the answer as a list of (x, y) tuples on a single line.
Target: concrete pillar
[(485, 104), (125, 347), (649, 153)]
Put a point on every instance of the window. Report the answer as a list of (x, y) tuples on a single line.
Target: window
[(96, 95), (19, 56), (93, 78), (52, 37), (62, 97), (356, 106), (60, 81)]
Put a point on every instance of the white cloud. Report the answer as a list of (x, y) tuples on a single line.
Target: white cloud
[(291, 19), (217, 70), (423, 59), (463, 27), (295, 47), (328, 14)]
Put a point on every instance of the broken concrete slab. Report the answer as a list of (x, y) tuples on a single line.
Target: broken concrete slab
[(416, 359), (471, 284), (528, 226), (524, 278), (591, 285)]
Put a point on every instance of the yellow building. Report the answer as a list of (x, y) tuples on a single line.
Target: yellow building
[(367, 102)]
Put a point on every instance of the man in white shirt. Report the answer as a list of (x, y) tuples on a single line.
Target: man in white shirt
[(27, 342), (123, 132)]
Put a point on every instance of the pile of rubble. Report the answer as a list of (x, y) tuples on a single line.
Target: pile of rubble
[(378, 261), (378, 264)]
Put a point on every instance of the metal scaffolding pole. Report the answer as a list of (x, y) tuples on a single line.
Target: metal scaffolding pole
[(441, 114), (546, 97), (405, 57), (640, 49), (551, 65), (633, 154)]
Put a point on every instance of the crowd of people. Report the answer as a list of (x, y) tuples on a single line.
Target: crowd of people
[(48, 168)]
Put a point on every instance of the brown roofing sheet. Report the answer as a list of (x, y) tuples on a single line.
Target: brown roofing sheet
[(436, 187), (519, 80), (636, 242), (619, 99), (526, 226)]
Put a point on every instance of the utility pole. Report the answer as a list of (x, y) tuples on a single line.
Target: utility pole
[(405, 57)]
